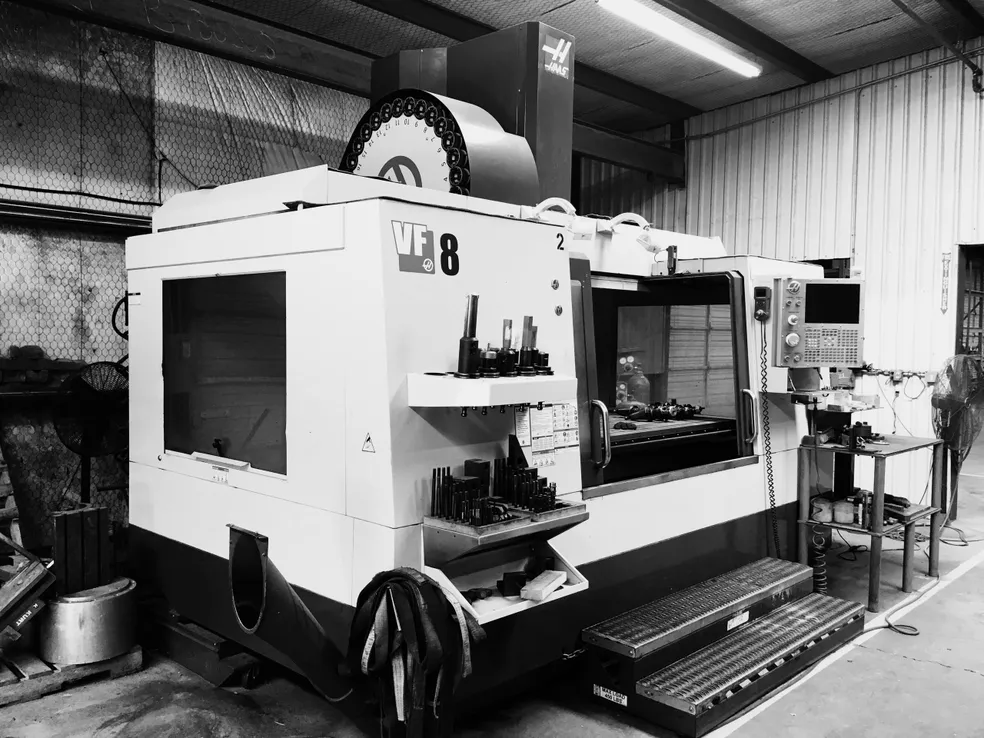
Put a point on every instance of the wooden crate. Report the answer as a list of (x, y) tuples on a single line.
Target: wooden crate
[(25, 677)]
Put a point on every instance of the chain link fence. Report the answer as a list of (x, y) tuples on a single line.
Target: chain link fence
[(97, 119)]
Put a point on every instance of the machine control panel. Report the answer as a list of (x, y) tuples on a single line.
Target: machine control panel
[(819, 323)]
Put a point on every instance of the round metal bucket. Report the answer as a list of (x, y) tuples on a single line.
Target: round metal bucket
[(92, 625)]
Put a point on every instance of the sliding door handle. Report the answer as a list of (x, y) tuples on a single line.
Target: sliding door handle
[(752, 415), (606, 435)]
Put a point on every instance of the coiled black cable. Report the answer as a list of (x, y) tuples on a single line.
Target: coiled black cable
[(819, 542), (767, 442), (123, 305)]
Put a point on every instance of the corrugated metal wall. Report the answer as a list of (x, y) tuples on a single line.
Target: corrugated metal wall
[(884, 165)]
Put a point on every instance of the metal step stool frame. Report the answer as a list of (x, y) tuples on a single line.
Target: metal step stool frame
[(696, 718), (613, 663)]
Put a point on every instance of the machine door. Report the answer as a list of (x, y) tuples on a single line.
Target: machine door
[(665, 386)]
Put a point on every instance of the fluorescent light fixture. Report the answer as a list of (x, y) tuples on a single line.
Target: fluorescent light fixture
[(648, 19)]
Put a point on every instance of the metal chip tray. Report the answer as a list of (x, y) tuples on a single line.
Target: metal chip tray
[(647, 628), (708, 677)]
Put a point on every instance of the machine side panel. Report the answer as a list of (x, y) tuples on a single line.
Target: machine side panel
[(315, 389), (513, 267), (637, 518), (315, 186), (243, 199), (313, 229), (369, 493), (196, 512), (381, 548)]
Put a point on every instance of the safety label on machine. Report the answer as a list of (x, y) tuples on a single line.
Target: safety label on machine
[(611, 695), (544, 431)]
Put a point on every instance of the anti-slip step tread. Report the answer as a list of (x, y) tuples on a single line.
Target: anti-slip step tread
[(703, 678), (668, 619)]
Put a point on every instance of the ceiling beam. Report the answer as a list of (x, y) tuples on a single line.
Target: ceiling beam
[(963, 10), (209, 29), (631, 153), (462, 28), (721, 23)]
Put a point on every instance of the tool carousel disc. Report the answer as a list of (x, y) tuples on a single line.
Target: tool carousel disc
[(426, 140)]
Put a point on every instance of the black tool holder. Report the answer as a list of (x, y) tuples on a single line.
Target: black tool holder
[(469, 356), (508, 357)]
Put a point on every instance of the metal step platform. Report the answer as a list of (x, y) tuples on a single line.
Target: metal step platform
[(703, 690), (699, 644)]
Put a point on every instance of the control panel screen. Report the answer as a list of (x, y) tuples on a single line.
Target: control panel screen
[(832, 303)]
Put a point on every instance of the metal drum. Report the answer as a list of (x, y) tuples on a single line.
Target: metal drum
[(92, 625)]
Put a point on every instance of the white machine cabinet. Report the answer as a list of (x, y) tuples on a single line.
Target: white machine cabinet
[(288, 342)]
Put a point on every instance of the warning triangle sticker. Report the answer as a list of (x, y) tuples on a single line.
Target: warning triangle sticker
[(367, 446)]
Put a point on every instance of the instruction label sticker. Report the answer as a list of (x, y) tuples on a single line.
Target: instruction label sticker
[(739, 619), (523, 431), (546, 431), (611, 695)]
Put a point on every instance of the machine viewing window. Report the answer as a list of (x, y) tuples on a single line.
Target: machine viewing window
[(671, 364), (832, 303), (225, 368)]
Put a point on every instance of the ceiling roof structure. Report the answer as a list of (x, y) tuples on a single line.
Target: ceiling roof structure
[(628, 79)]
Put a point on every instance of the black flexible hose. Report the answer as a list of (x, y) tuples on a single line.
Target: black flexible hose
[(124, 334)]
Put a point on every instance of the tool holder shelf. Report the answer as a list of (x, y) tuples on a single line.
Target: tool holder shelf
[(446, 390)]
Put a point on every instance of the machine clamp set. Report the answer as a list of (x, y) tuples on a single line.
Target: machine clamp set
[(488, 493)]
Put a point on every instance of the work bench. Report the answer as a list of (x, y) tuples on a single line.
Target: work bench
[(893, 446)]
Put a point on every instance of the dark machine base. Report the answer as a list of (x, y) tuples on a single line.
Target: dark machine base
[(196, 585)]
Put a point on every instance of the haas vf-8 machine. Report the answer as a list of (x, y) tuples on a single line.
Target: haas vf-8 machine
[(342, 375)]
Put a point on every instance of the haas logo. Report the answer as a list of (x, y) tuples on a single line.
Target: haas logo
[(415, 245), (555, 56)]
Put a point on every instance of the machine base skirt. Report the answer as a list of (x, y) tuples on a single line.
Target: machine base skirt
[(195, 584)]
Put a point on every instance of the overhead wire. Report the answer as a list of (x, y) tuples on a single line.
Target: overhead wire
[(896, 420), (78, 193), (905, 386), (161, 154)]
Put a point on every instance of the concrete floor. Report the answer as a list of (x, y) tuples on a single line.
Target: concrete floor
[(887, 685)]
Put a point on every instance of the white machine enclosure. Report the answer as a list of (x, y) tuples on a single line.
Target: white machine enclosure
[(359, 457)]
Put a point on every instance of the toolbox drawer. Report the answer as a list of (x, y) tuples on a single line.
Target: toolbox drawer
[(484, 569)]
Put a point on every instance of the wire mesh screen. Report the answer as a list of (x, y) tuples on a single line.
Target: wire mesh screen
[(66, 127), (105, 120), (98, 119), (219, 121), (57, 291)]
